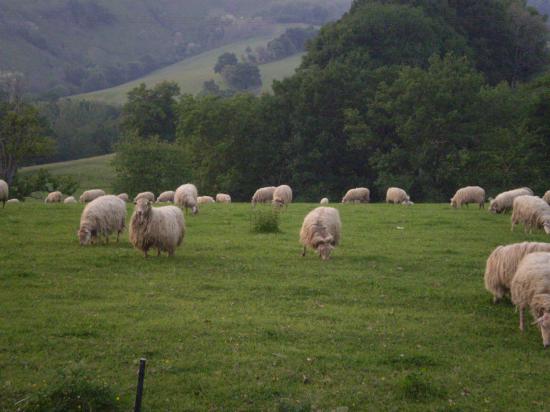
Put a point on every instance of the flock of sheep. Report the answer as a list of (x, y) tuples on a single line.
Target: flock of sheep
[(520, 270)]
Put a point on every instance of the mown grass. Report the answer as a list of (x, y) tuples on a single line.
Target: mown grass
[(397, 320)]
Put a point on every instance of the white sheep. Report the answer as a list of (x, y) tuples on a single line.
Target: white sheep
[(357, 195), (282, 196), (321, 230), (54, 197), (531, 288), (14, 200), (396, 195), (263, 195), (503, 263), (69, 200), (324, 201), (532, 211), (124, 197), (186, 196), (4, 192), (145, 195), (161, 228), (223, 198), (467, 195), (101, 217), (546, 197), (201, 200), (90, 195), (165, 197), (505, 200)]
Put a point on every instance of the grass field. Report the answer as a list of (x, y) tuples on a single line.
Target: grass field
[(397, 320)]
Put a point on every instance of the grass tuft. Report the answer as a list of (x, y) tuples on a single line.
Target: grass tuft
[(265, 221), (419, 386)]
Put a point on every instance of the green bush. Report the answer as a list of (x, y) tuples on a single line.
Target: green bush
[(265, 221), (41, 181)]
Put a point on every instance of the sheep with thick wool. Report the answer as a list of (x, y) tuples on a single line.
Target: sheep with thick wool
[(398, 196), (467, 195), (145, 195), (54, 197), (90, 195), (263, 195), (505, 200), (532, 211), (4, 192), (161, 228), (321, 231), (531, 288), (324, 201), (282, 196), (503, 263), (357, 195), (166, 197), (202, 200), (101, 217), (14, 200), (546, 197), (223, 198), (186, 197), (70, 200), (124, 197)]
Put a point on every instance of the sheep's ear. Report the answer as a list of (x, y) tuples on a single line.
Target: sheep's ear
[(538, 321), (149, 202)]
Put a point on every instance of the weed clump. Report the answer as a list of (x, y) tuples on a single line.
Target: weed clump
[(265, 221)]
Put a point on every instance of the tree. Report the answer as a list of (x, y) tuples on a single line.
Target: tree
[(226, 59), (242, 76)]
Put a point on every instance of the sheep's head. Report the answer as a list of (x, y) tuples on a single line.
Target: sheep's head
[(324, 246), (142, 209), (195, 210), (546, 226), (278, 202), (493, 207), (544, 323), (84, 236), (454, 203)]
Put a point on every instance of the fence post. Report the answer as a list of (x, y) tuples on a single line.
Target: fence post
[(139, 392)]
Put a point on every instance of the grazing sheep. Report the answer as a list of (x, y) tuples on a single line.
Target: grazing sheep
[(201, 200), (161, 228), (503, 263), (167, 196), (467, 195), (263, 195), (324, 201), (124, 197), (54, 197), (186, 196), (397, 196), (282, 196), (531, 287), (13, 201), (4, 192), (101, 217), (90, 195), (145, 195), (546, 197), (223, 198), (321, 231), (532, 211), (505, 200), (70, 199), (357, 195)]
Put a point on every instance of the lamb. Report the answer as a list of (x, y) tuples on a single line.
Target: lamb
[(69, 200), (161, 228), (167, 196), (282, 196), (14, 200), (263, 195), (397, 196), (503, 263), (90, 195), (532, 211), (546, 197), (124, 197), (324, 201), (101, 217), (505, 200), (145, 195), (4, 192), (201, 200), (321, 231), (54, 197), (467, 195), (531, 287), (223, 198), (359, 194), (186, 196)]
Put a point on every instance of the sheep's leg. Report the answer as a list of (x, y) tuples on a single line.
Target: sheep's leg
[(158, 252), (117, 236), (304, 252), (513, 225), (521, 320), (145, 253)]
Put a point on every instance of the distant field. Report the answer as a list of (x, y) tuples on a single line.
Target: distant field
[(191, 73), (397, 320)]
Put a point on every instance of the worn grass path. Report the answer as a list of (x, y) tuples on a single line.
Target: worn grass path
[(397, 320)]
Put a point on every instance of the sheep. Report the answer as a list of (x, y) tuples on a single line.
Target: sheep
[(145, 195), (54, 197), (531, 287), (124, 197), (467, 195), (359, 194), (101, 217), (161, 228), (167, 196), (505, 200), (90, 195), (186, 196), (321, 231), (324, 201), (4, 192), (201, 200), (263, 195), (532, 211), (502, 264), (546, 197), (14, 200), (397, 196), (69, 199), (282, 196), (223, 198)]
